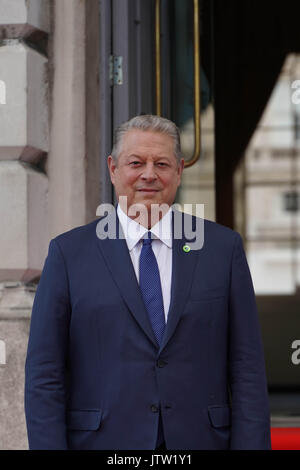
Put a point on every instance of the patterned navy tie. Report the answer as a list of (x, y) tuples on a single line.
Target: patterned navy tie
[(151, 288)]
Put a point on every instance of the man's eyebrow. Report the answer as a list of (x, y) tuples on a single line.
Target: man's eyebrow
[(133, 155)]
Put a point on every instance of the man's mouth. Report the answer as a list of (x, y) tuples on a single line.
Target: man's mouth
[(148, 190)]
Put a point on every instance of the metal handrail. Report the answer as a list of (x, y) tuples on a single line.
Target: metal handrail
[(197, 82)]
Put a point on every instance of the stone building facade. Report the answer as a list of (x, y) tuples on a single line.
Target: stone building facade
[(49, 165)]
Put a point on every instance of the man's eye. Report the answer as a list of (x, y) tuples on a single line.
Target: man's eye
[(134, 163)]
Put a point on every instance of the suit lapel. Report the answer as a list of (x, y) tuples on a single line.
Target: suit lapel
[(116, 255), (183, 266)]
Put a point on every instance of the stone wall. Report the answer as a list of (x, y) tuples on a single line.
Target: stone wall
[(24, 145), (50, 177)]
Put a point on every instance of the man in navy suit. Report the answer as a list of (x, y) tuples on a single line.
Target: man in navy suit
[(138, 339)]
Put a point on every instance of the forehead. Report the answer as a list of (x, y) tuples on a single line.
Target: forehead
[(147, 141)]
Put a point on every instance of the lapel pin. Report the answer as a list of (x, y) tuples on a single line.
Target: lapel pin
[(186, 248)]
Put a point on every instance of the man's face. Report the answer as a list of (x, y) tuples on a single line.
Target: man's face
[(147, 171)]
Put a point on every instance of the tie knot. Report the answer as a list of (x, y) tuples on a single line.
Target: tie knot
[(147, 240)]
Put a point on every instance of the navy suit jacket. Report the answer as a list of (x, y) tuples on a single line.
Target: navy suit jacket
[(94, 375)]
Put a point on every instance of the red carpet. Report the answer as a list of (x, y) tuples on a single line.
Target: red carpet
[(285, 438)]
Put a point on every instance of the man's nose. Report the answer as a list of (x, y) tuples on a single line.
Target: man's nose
[(149, 172)]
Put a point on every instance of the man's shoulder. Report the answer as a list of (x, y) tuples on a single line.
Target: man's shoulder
[(220, 230), (220, 238), (77, 234), (212, 228), (215, 237)]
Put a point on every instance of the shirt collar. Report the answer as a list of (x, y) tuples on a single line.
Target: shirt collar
[(134, 232)]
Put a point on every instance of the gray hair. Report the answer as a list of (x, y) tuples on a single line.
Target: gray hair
[(147, 122)]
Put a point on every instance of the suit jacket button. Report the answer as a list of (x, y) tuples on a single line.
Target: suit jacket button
[(154, 409), (161, 363)]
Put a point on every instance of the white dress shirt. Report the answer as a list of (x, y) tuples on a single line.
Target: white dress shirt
[(161, 245)]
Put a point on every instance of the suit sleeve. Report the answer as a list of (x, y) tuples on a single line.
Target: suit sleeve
[(247, 378), (45, 394)]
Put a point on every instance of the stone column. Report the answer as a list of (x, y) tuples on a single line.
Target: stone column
[(24, 144), (66, 161), (49, 163)]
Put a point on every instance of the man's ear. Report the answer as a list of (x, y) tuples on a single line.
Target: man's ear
[(112, 167), (181, 165), (180, 168)]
